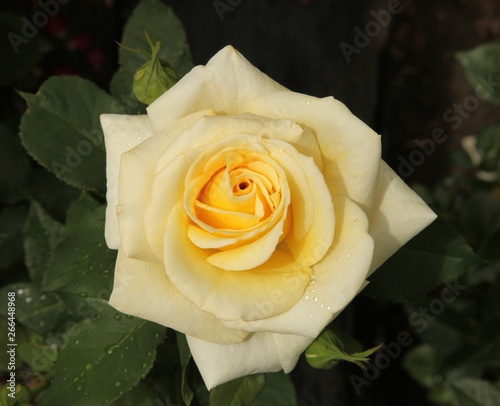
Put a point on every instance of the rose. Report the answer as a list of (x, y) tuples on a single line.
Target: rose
[(248, 216)]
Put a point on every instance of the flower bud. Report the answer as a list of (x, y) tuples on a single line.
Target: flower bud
[(332, 347), (153, 78)]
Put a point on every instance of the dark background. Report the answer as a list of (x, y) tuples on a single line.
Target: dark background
[(400, 84)]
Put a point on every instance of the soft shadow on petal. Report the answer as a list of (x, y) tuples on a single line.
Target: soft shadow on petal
[(398, 215), (313, 212), (351, 150), (338, 277), (227, 84), (137, 170), (142, 289), (121, 133), (222, 363), (264, 291)]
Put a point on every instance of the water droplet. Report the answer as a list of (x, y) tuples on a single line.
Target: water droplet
[(79, 388), (313, 282), (148, 269), (355, 222), (119, 209), (77, 342), (136, 134), (306, 297), (348, 256), (140, 201), (43, 297), (316, 300), (149, 354), (144, 365), (89, 367), (84, 294), (20, 291), (42, 323), (328, 308), (337, 260), (118, 316), (146, 123), (124, 125), (125, 370), (308, 102), (76, 379), (156, 335), (168, 135), (321, 305), (29, 299), (129, 117), (129, 144), (310, 314)]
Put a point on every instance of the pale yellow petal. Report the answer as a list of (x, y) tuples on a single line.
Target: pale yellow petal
[(222, 363), (398, 215), (228, 84), (338, 277), (142, 289), (121, 133), (351, 150), (264, 291), (313, 212)]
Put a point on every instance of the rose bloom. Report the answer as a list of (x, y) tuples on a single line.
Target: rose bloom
[(248, 216)]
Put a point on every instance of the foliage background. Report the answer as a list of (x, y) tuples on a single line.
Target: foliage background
[(402, 83)]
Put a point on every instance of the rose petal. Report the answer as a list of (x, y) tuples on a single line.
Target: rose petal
[(264, 291), (351, 150), (261, 352), (137, 171), (398, 215), (142, 289), (227, 84), (121, 133), (338, 277), (314, 217)]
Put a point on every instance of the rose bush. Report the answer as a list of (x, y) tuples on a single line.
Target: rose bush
[(248, 216)]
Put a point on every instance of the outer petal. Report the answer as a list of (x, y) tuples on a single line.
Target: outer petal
[(351, 150), (121, 133), (262, 352), (142, 289), (337, 278), (227, 84), (137, 169), (398, 215), (264, 291)]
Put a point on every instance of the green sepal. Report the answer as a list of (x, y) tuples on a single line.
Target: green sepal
[(333, 346)]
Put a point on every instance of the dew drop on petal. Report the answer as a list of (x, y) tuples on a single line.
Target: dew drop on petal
[(348, 256), (306, 297), (316, 300), (321, 305), (328, 308), (124, 125)]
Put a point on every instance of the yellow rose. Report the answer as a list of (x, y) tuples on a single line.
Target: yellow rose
[(248, 216)]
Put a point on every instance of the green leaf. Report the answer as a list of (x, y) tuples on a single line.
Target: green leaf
[(162, 25), (185, 357), (52, 193), (141, 395), (488, 146), (475, 392), (279, 391), (61, 130), (41, 234), (38, 311), (38, 357), (104, 359), (19, 54), (482, 66), (81, 264), (15, 167), (11, 237), (331, 347), (238, 392), (436, 255), (422, 363)]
